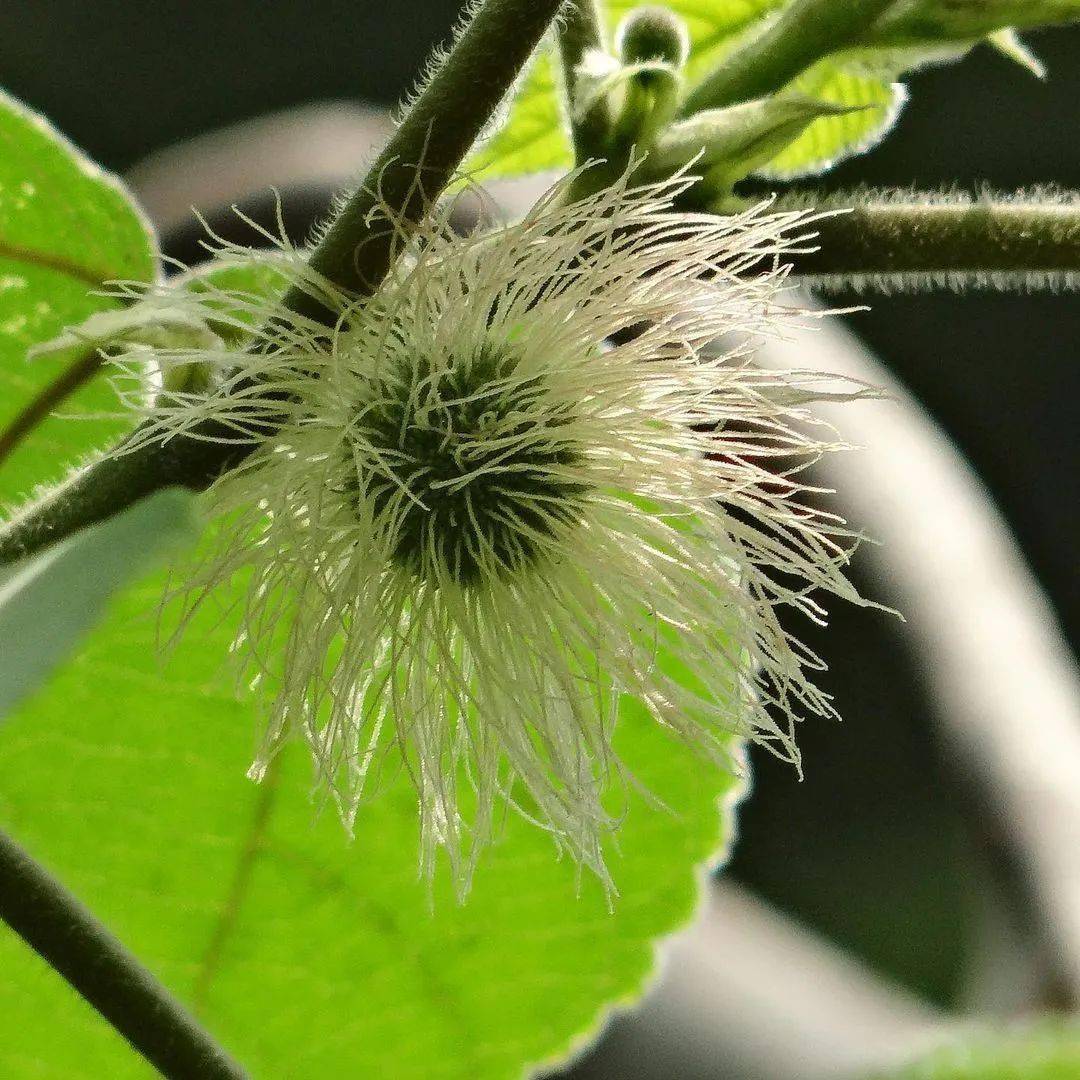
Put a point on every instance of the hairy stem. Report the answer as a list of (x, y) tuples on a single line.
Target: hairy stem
[(921, 241), (802, 34), (68, 937), (579, 31), (436, 133), (355, 253)]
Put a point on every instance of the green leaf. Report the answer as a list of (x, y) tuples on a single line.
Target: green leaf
[(305, 954), (1047, 1051), (257, 280), (66, 228), (49, 602), (308, 955), (872, 106), (1009, 45), (533, 136), (727, 144), (532, 139)]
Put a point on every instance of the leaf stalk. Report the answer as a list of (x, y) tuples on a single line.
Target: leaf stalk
[(579, 31), (804, 32), (70, 939)]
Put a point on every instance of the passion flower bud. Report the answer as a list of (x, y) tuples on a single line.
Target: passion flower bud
[(484, 518), (653, 33)]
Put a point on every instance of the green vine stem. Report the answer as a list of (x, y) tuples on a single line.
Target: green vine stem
[(802, 34), (905, 241), (439, 129), (56, 925), (578, 31), (437, 132)]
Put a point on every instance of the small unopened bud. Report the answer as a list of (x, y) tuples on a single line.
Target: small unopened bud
[(652, 33), (193, 378)]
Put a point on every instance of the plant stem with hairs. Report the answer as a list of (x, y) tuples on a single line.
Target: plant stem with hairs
[(911, 241), (872, 241), (56, 926), (356, 252)]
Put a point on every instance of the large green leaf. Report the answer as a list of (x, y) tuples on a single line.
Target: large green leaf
[(48, 602), (308, 955), (66, 228)]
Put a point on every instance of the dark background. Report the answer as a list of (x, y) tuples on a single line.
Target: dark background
[(871, 848)]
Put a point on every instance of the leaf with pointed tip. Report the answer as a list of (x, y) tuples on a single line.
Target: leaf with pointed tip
[(727, 144), (865, 107)]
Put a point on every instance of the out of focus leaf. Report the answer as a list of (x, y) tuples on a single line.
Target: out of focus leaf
[(1008, 43), (921, 21), (1049, 1051), (308, 955), (49, 602), (66, 229)]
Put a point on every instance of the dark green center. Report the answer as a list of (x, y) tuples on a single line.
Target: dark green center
[(473, 466)]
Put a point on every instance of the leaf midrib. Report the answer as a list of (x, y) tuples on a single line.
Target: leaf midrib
[(57, 263), (228, 916)]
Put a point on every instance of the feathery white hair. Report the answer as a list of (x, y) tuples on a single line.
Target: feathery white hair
[(517, 484)]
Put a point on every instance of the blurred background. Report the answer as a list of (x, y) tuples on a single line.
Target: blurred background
[(882, 856)]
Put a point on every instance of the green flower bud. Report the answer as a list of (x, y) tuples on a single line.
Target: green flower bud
[(652, 33)]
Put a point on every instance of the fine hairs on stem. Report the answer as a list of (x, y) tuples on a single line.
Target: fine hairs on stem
[(915, 241), (355, 252)]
